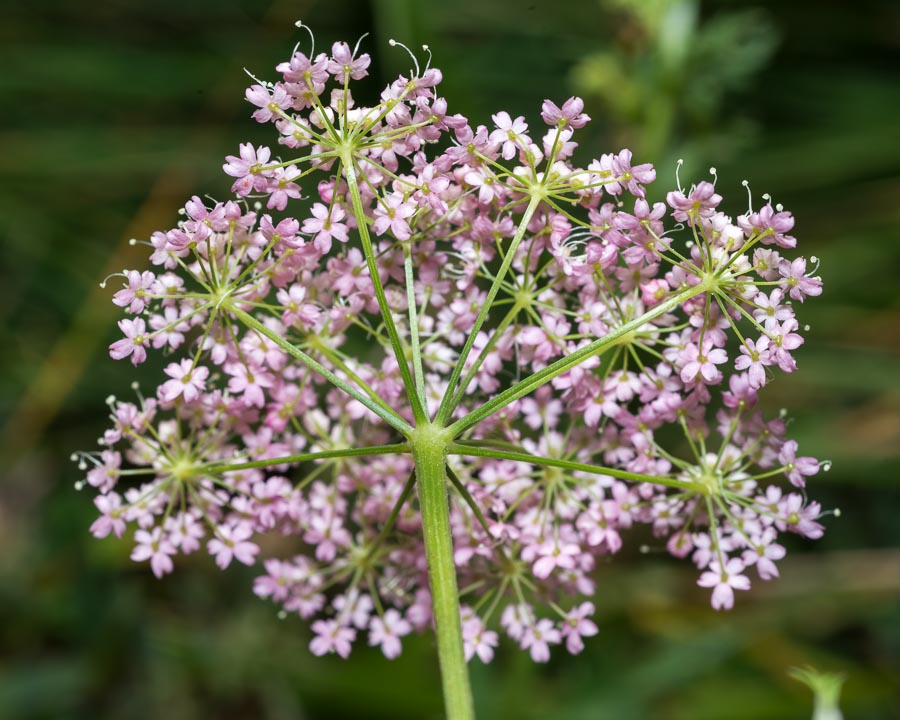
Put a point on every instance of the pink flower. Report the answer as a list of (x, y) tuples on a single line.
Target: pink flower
[(797, 469), (510, 134), (391, 214), (701, 202), (724, 582), (554, 555), (251, 384), (111, 520), (232, 541), (577, 625), (327, 225), (386, 633), (775, 225), (764, 553), (134, 342), (187, 381), (477, 640), (331, 638), (538, 637), (135, 295), (799, 285), (155, 547), (345, 65), (296, 310), (700, 363), (754, 358), (281, 187), (248, 169), (569, 115), (800, 519), (269, 101)]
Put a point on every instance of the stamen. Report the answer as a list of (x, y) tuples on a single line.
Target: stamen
[(111, 275), (394, 43), (312, 40), (356, 47), (715, 174), (428, 50), (677, 174), (746, 184), (264, 83)]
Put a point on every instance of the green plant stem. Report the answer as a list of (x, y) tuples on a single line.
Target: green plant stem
[(542, 377), (447, 403), (418, 372), (480, 451), (429, 452), (307, 457), (391, 418), (366, 241)]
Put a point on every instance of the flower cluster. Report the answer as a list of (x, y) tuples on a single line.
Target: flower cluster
[(546, 312)]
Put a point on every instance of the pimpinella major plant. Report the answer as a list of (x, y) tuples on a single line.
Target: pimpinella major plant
[(446, 379)]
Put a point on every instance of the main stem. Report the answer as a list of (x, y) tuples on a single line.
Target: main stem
[(429, 444)]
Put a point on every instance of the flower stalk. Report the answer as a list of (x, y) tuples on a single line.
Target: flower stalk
[(429, 451)]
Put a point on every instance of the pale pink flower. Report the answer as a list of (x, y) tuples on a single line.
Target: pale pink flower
[(724, 582), (569, 115), (392, 214), (232, 542), (155, 547), (187, 381), (387, 631), (331, 638), (577, 625), (134, 342), (538, 637)]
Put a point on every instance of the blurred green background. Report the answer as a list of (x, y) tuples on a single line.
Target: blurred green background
[(115, 111)]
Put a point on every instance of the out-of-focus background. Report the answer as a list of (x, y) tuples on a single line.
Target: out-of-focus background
[(115, 111)]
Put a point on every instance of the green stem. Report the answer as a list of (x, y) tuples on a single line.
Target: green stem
[(391, 418), (478, 451), (306, 457), (447, 404), (359, 213), (429, 451), (418, 372), (542, 377)]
